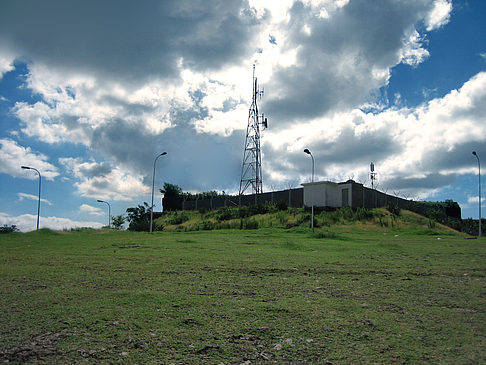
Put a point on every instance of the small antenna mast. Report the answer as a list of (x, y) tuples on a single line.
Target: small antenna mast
[(372, 175)]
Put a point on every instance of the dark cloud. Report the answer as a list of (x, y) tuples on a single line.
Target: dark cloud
[(451, 157), (101, 169), (429, 181), (348, 149), (194, 161), (338, 57), (126, 40)]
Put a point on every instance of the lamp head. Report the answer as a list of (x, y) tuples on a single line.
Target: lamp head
[(25, 167), (474, 153), (100, 201), (307, 151)]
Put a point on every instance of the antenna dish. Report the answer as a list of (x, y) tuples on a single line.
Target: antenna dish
[(372, 167)]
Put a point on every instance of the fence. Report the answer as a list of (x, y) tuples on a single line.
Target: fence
[(361, 197), (292, 197)]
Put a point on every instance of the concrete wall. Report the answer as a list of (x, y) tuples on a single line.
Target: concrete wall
[(293, 198)]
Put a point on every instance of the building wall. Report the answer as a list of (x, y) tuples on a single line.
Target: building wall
[(330, 194), (322, 194)]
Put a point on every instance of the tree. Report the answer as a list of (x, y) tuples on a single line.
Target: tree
[(9, 229), (171, 190), (139, 218), (117, 221)]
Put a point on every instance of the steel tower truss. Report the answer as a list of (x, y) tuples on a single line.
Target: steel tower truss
[(251, 170)]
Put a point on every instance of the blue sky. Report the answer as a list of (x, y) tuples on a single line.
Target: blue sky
[(91, 92)]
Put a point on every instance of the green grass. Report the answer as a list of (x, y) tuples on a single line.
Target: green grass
[(352, 293)]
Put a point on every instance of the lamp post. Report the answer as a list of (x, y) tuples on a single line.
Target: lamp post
[(109, 211), (38, 202), (312, 207), (153, 184), (479, 187)]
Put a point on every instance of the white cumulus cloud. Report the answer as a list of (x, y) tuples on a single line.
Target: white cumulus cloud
[(28, 222)]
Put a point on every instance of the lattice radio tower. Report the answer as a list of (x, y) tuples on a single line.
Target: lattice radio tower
[(251, 170)]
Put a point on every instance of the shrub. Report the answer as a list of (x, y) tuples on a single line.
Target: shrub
[(9, 228), (226, 213), (325, 234), (282, 205), (270, 207), (202, 210), (248, 224), (178, 218), (363, 214), (243, 212), (282, 218), (207, 225), (257, 209), (394, 209)]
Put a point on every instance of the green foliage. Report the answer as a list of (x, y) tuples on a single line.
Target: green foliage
[(249, 224), (202, 210), (363, 214), (178, 218), (325, 234), (80, 229), (282, 205), (139, 218), (201, 196), (171, 190), (8, 228), (394, 209), (225, 213), (117, 221)]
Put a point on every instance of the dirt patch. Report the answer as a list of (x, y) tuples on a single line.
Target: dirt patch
[(36, 347)]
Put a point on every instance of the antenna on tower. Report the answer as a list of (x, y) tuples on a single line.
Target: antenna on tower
[(251, 170)]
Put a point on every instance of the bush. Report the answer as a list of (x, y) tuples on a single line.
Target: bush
[(248, 224), (282, 218), (258, 209), (282, 205), (363, 214), (394, 209), (325, 234), (304, 218), (202, 210), (243, 212), (9, 229), (178, 218), (226, 213)]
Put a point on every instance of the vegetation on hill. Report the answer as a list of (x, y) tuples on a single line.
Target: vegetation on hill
[(279, 216)]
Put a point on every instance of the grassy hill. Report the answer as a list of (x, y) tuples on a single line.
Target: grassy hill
[(341, 220), (378, 290)]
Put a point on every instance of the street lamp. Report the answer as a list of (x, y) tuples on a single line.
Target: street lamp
[(109, 211), (309, 153), (153, 184), (479, 184), (38, 202), (312, 208)]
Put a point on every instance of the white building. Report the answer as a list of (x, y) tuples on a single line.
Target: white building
[(329, 194)]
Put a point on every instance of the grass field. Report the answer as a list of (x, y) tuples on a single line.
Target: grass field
[(351, 294)]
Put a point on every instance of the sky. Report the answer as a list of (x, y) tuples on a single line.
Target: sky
[(92, 91)]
